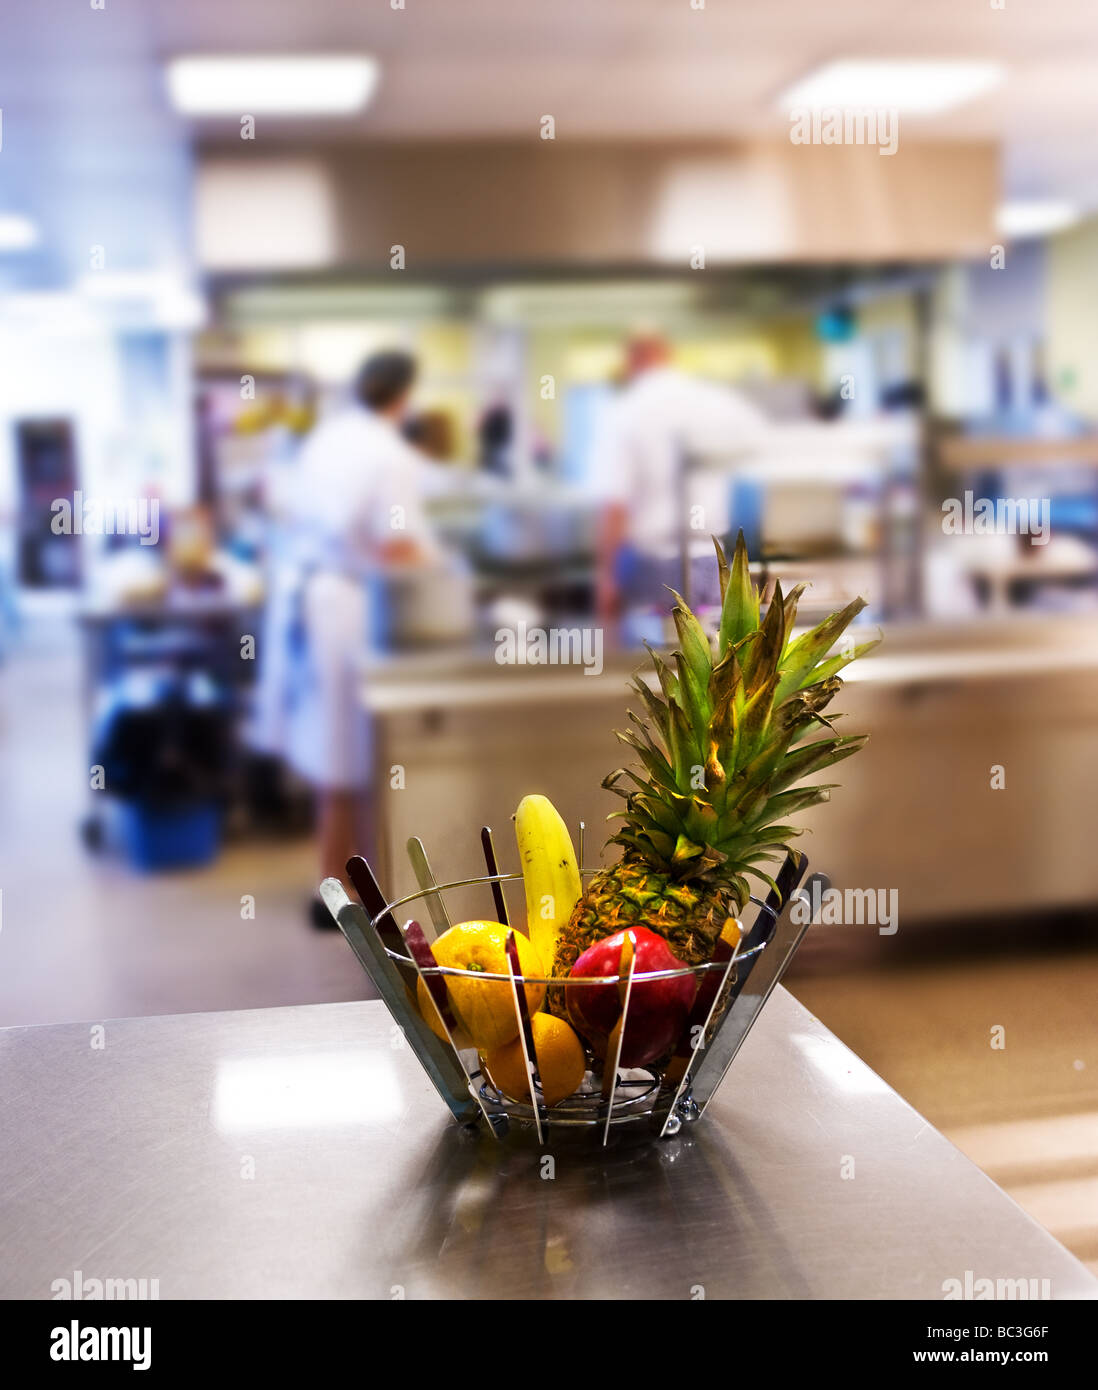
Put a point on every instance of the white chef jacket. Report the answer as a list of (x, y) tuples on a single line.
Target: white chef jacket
[(358, 484), (644, 433)]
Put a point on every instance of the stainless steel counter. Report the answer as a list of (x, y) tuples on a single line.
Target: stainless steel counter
[(943, 705), (300, 1152), (460, 678)]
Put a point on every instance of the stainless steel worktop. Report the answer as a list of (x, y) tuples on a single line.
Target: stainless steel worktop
[(299, 1152), (943, 705), (463, 678)]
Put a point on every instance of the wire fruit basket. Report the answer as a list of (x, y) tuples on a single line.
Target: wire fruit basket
[(623, 1085)]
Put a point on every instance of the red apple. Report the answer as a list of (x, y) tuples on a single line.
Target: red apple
[(658, 1009)]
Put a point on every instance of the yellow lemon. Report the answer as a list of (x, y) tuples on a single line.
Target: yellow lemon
[(484, 1009), (560, 1062)]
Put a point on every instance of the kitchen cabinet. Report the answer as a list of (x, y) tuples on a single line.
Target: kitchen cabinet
[(916, 811)]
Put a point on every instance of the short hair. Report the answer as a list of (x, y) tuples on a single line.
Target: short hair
[(646, 350), (383, 378)]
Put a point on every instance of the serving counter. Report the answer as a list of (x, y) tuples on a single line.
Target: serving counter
[(921, 811), (302, 1152)]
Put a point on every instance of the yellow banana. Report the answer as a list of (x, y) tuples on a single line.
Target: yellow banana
[(550, 873)]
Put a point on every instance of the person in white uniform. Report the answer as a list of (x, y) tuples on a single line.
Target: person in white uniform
[(662, 416), (355, 506)]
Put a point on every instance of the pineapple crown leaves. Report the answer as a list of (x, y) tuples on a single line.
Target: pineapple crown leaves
[(721, 741)]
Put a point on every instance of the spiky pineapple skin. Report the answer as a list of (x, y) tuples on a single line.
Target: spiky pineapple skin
[(688, 915)]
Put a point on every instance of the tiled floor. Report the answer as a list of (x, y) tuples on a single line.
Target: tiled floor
[(1026, 1112), (83, 938)]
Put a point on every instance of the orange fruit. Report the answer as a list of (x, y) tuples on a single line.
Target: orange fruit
[(560, 1062), (484, 1009)]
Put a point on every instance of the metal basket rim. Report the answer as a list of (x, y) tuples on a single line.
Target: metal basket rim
[(453, 970), (564, 980), (496, 878)]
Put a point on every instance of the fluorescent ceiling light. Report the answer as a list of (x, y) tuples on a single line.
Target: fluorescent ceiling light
[(17, 233), (913, 86), (265, 304), (284, 86), (269, 214), (1032, 217)]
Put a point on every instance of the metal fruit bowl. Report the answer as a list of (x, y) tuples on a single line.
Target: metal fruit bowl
[(662, 1095)]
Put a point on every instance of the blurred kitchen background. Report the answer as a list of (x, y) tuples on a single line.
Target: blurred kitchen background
[(528, 199)]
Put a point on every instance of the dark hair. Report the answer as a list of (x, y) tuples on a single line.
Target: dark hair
[(384, 378)]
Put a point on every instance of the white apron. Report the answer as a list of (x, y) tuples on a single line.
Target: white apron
[(354, 474)]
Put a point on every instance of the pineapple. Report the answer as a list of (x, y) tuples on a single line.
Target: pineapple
[(723, 749)]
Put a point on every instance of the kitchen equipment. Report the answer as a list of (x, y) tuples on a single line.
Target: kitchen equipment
[(423, 605), (659, 1098)]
